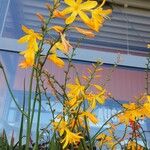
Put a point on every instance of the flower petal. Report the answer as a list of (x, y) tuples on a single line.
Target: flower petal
[(88, 33), (26, 30), (70, 19), (91, 117), (66, 11), (83, 16), (24, 39), (88, 5), (38, 36), (59, 62), (78, 1), (70, 2), (57, 28), (24, 65)]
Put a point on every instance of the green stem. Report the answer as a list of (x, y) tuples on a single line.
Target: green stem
[(38, 123), (29, 124), (33, 108), (86, 125), (143, 137), (29, 111), (11, 93), (93, 138), (121, 139), (22, 118)]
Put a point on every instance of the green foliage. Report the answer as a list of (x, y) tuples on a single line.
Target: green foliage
[(4, 145)]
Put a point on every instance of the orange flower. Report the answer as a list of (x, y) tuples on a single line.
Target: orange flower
[(25, 65), (87, 33), (58, 14), (65, 43), (56, 60), (57, 28)]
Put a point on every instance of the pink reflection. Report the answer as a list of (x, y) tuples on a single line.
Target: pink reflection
[(124, 83)]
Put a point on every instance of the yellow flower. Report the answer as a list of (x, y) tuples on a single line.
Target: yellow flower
[(32, 46), (131, 112), (56, 60), (148, 45), (145, 110), (134, 146), (63, 46), (60, 126), (104, 139), (148, 98), (31, 38), (75, 94), (77, 8), (131, 106), (76, 122), (70, 138), (97, 20), (76, 89), (93, 98), (90, 116), (73, 101), (29, 54), (57, 46), (29, 59)]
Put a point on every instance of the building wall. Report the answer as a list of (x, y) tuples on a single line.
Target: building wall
[(124, 83)]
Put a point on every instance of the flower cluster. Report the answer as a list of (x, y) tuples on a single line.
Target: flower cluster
[(134, 112), (75, 8), (79, 99)]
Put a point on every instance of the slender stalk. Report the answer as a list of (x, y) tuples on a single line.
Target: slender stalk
[(87, 130), (92, 75), (124, 134), (143, 137), (38, 122), (109, 75), (33, 108), (47, 54), (11, 93), (93, 138), (29, 111), (147, 78), (38, 60), (22, 118), (29, 125)]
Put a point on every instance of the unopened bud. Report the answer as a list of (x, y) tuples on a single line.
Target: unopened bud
[(48, 6), (41, 17)]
